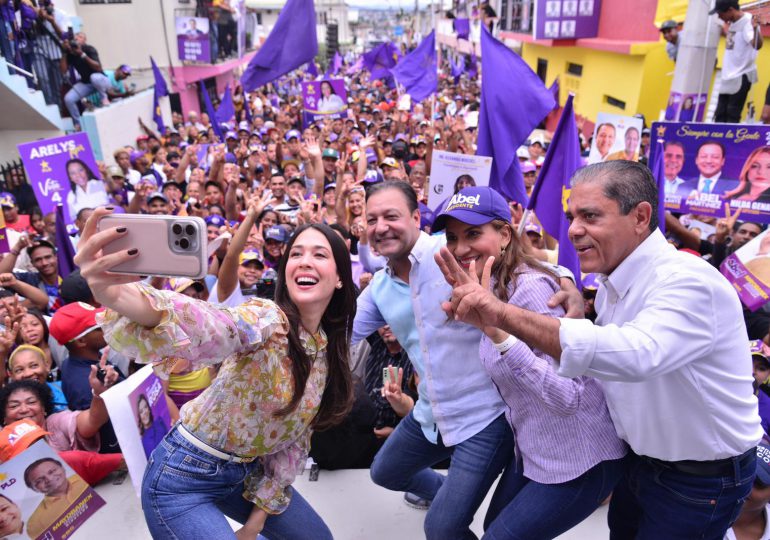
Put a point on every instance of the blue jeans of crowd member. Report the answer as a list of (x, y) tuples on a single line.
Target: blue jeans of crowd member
[(524, 509), (187, 492), (654, 501), (403, 464), (98, 83)]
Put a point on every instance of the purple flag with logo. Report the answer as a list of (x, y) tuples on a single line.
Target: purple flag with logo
[(291, 43), (462, 27), (659, 172), (417, 71), (380, 60), (65, 252), (211, 112), (551, 192), (505, 123), (160, 90), (226, 109)]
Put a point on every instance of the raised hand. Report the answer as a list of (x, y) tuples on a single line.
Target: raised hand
[(8, 336), (726, 224)]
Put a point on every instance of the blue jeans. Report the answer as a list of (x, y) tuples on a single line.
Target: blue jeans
[(653, 501), (99, 83), (524, 509), (186, 491), (403, 464)]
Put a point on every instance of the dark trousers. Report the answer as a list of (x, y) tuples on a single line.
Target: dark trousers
[(654, 501), (730, 106)]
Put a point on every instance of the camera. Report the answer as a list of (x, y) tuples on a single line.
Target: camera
[(265, 288)]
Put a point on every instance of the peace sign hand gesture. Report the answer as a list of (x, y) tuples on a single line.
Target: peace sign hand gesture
[(471, 302), (726, 224)]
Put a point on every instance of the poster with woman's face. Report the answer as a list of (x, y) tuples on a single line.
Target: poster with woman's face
[(326, 99), (748, 269), (41, 496), (148, 403)]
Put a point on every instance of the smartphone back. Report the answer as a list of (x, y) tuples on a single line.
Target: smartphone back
[(168, 245)]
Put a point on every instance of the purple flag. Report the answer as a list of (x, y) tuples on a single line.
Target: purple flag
[(551, 192), (505, 122), (210, 111), (457, 69), (659, 172), (417, 71), (65, 252), (226, 109), (380, 60), (473, 70), (247, 111), (462, 27), (554, 89), (311, 69), (334, 66), (161, 89), (156, 115), (291, 43), (356, 67)]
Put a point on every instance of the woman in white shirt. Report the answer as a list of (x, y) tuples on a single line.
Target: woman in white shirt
[(330, 102), (85, 190)]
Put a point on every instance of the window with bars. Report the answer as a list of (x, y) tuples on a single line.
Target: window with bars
[(517, 15)]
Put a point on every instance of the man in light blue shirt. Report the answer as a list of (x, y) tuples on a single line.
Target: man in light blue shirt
[(459, 412)]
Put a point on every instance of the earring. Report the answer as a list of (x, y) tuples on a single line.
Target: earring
[(339, 285), (502, 250)]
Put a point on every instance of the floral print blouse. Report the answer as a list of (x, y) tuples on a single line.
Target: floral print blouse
[(235, 413)]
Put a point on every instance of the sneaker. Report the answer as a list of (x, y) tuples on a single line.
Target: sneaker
[(416, 502)]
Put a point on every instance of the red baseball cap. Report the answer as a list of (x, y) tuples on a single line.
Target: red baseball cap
[(73, 321), (17, 437)]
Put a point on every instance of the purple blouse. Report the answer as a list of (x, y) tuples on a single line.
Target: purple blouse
[(562, 427)]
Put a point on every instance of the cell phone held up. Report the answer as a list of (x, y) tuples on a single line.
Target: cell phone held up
[(171, 246)]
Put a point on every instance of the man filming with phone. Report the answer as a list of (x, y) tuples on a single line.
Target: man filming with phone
[(85, 60)]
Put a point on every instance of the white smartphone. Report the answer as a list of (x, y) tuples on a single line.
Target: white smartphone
[(172, 246)]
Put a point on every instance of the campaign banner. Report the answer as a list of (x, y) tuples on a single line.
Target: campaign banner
[(748, 269), (690, 107), (63, 171), (192, 39), (615, 137), (452, 172), (4, 245), (42, 496), (141, 418), (567, 19), (326, 99), (711, 167)]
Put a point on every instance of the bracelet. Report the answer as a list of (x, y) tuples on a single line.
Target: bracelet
[(506, 345), (15, 252)]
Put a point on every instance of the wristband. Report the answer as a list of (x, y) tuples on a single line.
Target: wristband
[(506, 345), (15, 252)]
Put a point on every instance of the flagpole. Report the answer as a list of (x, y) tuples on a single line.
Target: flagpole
[(524, 219)]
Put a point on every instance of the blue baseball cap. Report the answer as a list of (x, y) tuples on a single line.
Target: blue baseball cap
[(475, 205), (215, 219), (7, 200), (277, 233), (590, 282)]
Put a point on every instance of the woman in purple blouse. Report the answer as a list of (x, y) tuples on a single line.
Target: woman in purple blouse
[(568, 456)]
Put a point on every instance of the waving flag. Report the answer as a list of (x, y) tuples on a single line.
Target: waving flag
[(311, 69), (551, 192), (473, 70), (659, 172), (160, 90), (462, 28), (356, 67), (380, 60), (417, 71), (291, 43), (210, 111), (226, 109), (334, 66), (457, 69), (513, 102), (554, 89)]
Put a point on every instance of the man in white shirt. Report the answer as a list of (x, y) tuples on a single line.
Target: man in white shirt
[(673, 161), (669, 345), (739, 65)]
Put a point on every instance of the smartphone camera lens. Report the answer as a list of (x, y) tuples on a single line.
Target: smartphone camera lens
[(177, 228), (184, 243), (190, 230)]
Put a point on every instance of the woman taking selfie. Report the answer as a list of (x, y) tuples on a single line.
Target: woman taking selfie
[(284, 373), (568, 456)]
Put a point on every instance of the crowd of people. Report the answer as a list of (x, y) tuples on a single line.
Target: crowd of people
[(343, 319)]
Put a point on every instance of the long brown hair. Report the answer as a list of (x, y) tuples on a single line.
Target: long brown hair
[(744, 186), (511, 262), (337, 323)]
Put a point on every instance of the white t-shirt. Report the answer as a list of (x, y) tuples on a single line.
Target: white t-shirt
[(730, 535), (740, 55), (235, 299)]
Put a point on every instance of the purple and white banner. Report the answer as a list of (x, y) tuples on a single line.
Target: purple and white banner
[(710, 167), (567, 19), (748, 269), (192, 38), (690, 107), (148, 402), (63, 171), (324, 99), (43, 497)]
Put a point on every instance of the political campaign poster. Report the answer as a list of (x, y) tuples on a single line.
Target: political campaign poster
[(4, 245), (615, 137), (452, 172), (711, 167), (326, 99), (566, 19), (748, 269), (192, 38), (63, 171), (140, 415), (42, 496)]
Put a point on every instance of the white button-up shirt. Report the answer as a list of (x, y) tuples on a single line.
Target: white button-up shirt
[(671, 348)]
